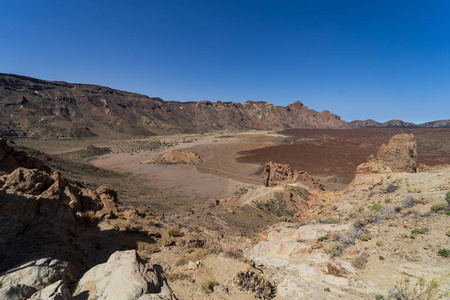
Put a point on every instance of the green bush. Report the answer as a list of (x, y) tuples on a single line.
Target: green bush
[(417, 231), (376, 207), (321, 238), (444, 252), (365, 237), (447, 197), (437, 207), (381, 257)]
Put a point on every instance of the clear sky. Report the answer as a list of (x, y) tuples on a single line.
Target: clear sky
[(379, 59)]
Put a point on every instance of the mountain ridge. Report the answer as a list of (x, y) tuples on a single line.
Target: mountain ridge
[(37, 108), (33, 107)]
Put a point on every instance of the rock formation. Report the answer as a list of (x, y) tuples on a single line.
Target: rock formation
[(180, 157), (279, 174), (399, 155)]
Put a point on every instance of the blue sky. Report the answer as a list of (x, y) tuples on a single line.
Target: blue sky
[(359, 59)]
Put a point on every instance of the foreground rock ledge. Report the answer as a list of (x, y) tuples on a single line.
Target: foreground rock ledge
[(123, 276)]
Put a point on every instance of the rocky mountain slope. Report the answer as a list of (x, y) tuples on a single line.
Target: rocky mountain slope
[(37, 108), (398, 124)]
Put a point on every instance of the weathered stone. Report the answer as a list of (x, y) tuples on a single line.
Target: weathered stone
[(123, 276), (25, 279), (279, 174), (400, 154), (108, 198), (55, 291), (27, 181)]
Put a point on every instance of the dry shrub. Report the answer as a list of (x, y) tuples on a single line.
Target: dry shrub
[(234, 253), (360, 261), (174, 231), (196, 243), (147, 247), (173, 276), (420, 290), (197, 255), (253, 281), (409, 201), (208, 285)]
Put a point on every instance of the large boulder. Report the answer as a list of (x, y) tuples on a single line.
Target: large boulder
[(37, 278), (400, 154), (124, 276), (276, 174)]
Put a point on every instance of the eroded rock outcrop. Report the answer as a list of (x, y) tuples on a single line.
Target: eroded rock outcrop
[(398, 155), (276, 174), (123, 276)]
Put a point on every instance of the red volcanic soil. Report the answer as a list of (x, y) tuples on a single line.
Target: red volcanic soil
[(338, 152)]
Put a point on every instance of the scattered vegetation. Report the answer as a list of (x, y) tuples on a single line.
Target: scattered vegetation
[(253, 281), (381, 257), (421, 290)]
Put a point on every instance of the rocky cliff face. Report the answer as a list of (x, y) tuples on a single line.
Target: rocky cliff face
[(38, 108)]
